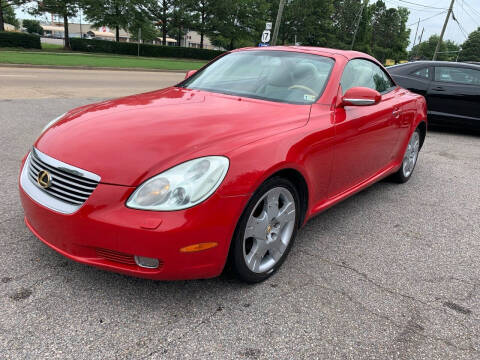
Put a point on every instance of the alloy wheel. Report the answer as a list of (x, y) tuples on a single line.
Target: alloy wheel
[(411, 155), (269, 230)]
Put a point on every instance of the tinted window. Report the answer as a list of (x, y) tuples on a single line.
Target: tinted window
[(359, 72), (270, 75), (423, 73), (457, 75)]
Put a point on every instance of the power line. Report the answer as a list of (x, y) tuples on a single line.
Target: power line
[(460, 26), (400, 4), (472, 8), (474, 11), (425, 6), (428, 18)]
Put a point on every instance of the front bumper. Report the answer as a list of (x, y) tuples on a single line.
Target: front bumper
[(105, 233)]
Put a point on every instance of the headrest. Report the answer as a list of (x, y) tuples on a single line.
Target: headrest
[(304, 70), (281, 75)]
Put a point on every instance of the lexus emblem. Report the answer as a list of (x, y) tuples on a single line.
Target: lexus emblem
[(44, 179)]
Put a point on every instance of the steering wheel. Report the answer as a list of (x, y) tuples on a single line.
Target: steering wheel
[(303, 87)]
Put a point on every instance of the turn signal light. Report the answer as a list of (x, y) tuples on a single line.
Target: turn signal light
[(198, 247)]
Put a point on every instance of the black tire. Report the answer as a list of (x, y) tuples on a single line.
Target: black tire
[(400, 177), (237, 259)]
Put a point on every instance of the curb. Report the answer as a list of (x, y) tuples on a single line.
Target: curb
[(30, 66)]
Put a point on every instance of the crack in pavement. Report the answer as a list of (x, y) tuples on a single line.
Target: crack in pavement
[(398, 294)]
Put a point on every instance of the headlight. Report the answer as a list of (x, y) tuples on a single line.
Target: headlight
[(51, 123), (182, 186)]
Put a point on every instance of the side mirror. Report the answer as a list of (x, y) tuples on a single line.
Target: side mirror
[(190, 73), (361, 96)]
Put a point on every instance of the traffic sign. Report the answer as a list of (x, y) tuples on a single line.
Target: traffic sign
[(266, 36), (268, 26)]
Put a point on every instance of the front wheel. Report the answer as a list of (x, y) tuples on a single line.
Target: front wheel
[(266, 230), (409, 159)]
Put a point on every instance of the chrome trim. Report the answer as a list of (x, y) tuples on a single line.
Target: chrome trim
[(359, 101), (65, 167), (139, 263), (70, 188), (41, 197)]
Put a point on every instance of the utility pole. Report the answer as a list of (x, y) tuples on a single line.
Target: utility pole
[(365, 3), (443, 31), (419, 42), (278, 21), (416, 32)]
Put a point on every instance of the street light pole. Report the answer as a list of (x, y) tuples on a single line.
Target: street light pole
[(278, 21), (443, 31)]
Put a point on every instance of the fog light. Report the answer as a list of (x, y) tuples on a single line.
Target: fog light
[(146, 262)]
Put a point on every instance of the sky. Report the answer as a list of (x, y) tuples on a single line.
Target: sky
[(467, 12)]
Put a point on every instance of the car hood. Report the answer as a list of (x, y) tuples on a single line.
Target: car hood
[(128, 140)]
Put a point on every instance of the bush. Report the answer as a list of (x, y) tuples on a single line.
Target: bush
[(32, 26), (147, 50), (14, 39)]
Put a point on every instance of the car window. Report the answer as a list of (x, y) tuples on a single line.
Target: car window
[(457, 75), (423, 73), (282, 76), (360, 72)]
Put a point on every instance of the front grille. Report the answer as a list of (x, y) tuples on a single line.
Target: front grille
[(116, 256), (67, 184)]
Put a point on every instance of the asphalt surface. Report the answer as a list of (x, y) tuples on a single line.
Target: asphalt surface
[(31, 83), (391, 273)]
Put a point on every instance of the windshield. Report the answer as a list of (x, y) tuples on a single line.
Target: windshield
[(282, 76)]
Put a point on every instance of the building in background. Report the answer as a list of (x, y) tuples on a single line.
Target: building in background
[(9, 27), (55, 30), (192, 39)]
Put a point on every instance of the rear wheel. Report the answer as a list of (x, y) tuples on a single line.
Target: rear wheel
[(409, 159), (266, 230)]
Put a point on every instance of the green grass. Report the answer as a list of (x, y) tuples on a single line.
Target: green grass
[(46, 46), (94, 60)]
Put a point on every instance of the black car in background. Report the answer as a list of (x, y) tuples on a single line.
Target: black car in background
[(452, 90)]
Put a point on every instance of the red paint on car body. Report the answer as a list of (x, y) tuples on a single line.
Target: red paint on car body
[(337, 150)]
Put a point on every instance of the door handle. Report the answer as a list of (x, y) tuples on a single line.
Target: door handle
[(396, 113), (438, 88)]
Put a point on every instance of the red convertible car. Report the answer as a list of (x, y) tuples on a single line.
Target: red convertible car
[(225, 166)]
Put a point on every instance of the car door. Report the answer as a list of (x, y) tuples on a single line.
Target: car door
[(413, 77), (454, 95), (365, 136)]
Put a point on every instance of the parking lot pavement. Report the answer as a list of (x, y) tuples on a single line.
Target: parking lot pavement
[(391, 273)]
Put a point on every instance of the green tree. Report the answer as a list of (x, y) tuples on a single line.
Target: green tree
[(63, 8), (32, 26), (117, 14), (425, 50), (160, 12), (181, 19), (7, 14), (344, 20), (311, 21), (471, 47), (148, 30), (202, 15), (389, 36), (10, 18), (237, 23)]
